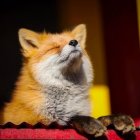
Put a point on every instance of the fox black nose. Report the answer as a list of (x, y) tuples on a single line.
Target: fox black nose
[(73, 43)]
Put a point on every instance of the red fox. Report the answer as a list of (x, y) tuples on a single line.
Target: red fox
[(54, 79), (54, 82)]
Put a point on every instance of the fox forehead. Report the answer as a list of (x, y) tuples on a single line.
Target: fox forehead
[(56, 39)]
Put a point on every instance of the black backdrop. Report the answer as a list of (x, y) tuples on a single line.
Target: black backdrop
[(16, 14)]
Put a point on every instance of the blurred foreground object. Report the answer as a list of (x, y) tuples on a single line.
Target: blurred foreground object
[(100, 101)]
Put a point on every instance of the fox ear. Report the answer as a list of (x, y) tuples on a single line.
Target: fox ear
[(79, 33), (29, 40)]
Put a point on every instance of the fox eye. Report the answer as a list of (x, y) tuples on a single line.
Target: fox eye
[(55, 47)]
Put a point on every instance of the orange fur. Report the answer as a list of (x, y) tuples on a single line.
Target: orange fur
[(27, 99)]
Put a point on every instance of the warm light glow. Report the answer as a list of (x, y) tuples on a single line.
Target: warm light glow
[(100, 101)]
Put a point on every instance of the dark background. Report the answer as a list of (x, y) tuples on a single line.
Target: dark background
[(120, 30), (122, 54), (14, 15)]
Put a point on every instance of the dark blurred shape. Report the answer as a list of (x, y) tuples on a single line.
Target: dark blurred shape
[(123, 55), (15, 14)]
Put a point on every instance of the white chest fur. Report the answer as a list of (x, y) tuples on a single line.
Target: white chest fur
[(62, 103), (66, 94)]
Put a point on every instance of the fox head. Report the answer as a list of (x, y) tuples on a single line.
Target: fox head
[(56, 58)]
